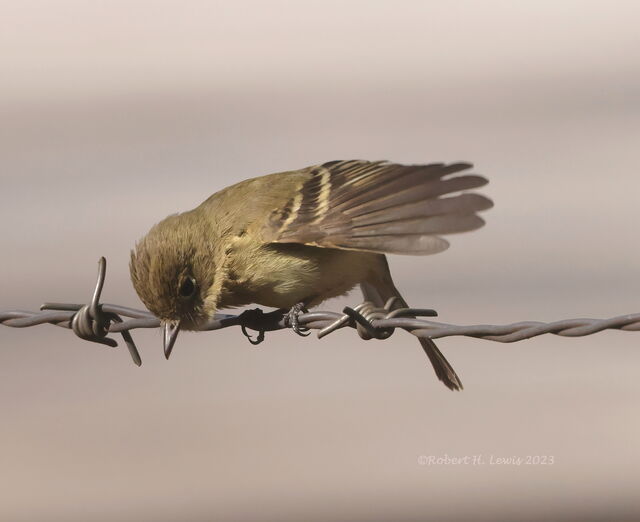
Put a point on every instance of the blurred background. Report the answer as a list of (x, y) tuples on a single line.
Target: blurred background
[(116, 114)]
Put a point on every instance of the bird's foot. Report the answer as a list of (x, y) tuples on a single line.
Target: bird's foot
[(252, 319), (291, 319)]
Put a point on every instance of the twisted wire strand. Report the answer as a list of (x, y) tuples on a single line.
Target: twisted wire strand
[(95, 321)]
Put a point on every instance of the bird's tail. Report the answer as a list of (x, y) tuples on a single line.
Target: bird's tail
[(378, 291)]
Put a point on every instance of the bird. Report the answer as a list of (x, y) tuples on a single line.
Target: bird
[(291, 240)]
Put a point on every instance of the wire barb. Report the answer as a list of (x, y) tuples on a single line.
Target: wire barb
[(95, 321), (364, 316), (91, 323)]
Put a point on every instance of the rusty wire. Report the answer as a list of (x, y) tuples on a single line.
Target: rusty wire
[(95, 321)]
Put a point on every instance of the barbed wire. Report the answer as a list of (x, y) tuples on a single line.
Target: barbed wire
[(95, 321)]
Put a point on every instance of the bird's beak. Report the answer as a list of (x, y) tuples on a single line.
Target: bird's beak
[(170, 335)]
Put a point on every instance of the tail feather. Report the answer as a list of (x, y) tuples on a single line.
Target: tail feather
[(444, 370), (378, 292)]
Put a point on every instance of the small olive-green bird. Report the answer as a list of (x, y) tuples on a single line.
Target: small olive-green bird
[(293, 239)]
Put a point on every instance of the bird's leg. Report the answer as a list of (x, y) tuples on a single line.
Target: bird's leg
[(291, 319)]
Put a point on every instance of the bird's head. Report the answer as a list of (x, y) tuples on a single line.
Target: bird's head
[(173, 270)]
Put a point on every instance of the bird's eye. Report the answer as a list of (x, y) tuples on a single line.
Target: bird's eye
[(188, 287)]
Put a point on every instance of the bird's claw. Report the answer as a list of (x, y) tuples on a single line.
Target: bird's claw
[(253, 341), (252, 318), (292, 321)]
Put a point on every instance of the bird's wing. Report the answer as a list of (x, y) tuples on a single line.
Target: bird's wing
[(380, 207)]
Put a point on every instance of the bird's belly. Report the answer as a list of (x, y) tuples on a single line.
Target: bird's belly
[(281, 275)]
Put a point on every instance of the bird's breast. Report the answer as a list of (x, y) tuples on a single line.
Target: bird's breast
[(281, 275)]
